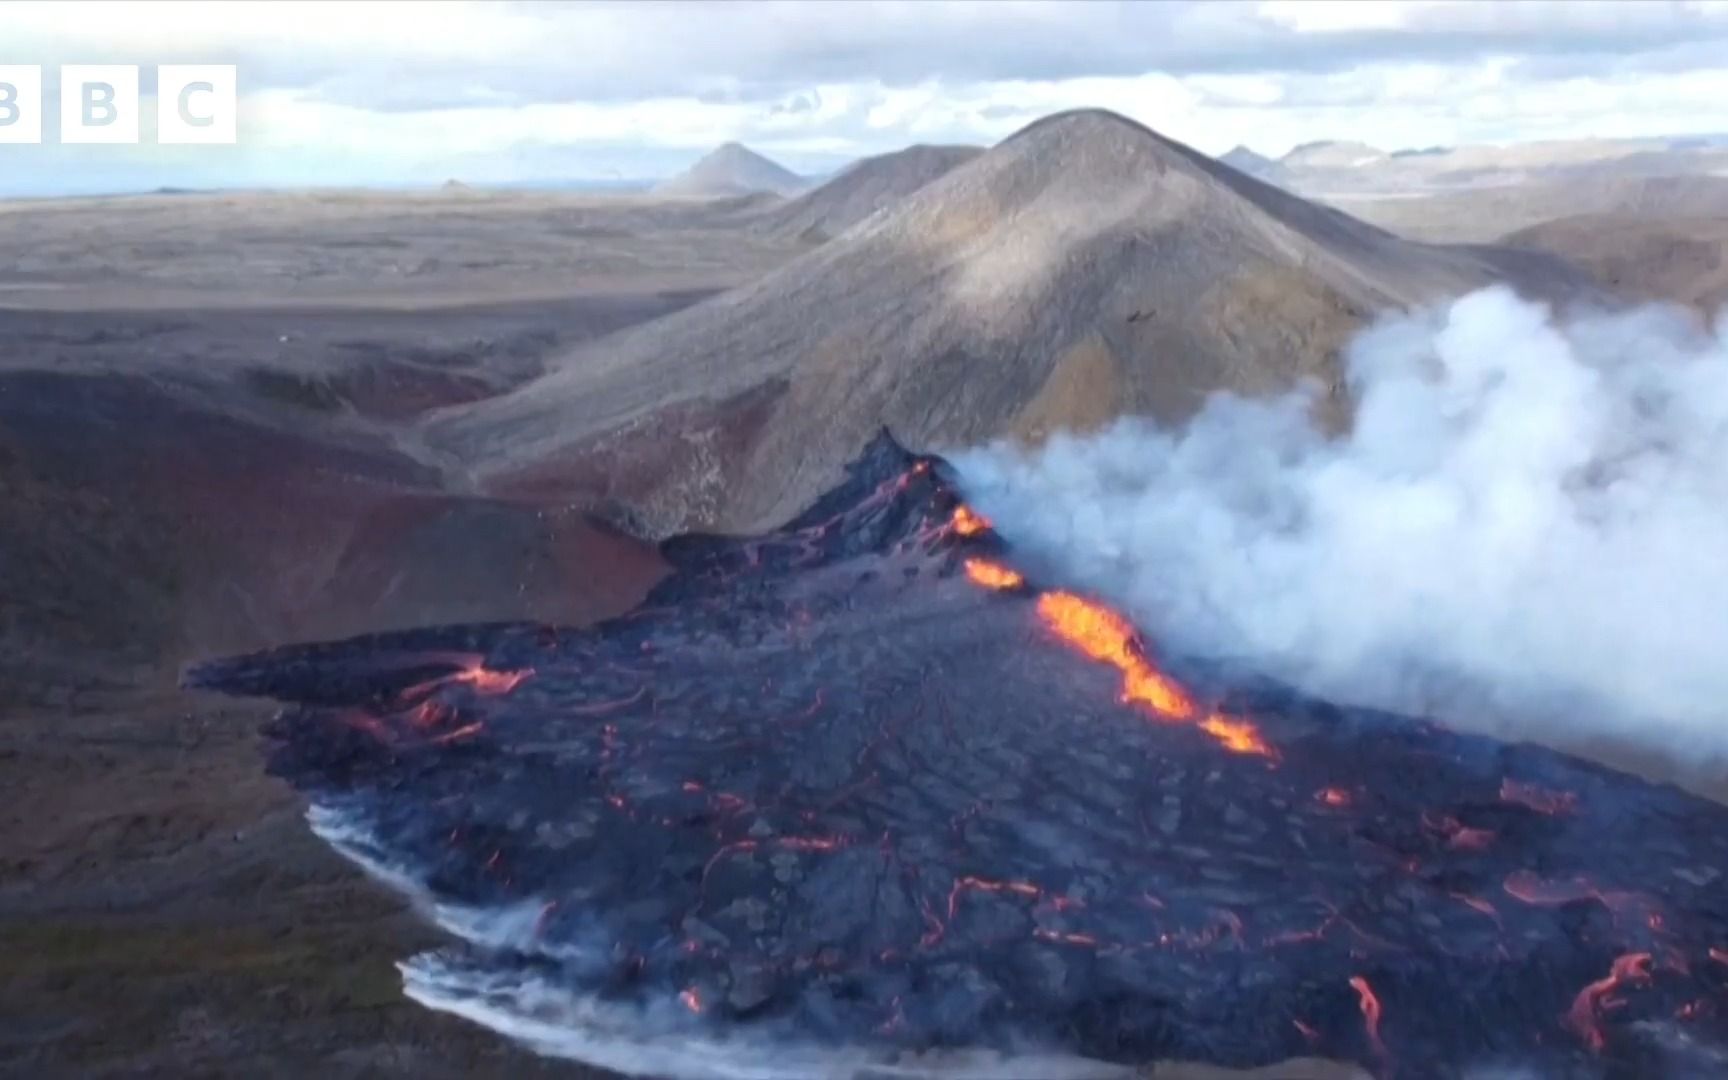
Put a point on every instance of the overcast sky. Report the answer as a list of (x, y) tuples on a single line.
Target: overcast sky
[(394, 93)]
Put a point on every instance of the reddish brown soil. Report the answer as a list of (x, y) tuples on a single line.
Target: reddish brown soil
[(163, 908)]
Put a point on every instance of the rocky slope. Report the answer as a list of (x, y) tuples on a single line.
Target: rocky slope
[(1083, 268), (865, 188)]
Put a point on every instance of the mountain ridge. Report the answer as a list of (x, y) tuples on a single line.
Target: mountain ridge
[(1083, 268), (864, 188)]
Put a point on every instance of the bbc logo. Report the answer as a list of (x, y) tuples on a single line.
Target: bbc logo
[(195, 103)]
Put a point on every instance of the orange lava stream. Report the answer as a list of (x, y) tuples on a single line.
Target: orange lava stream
[(487, 681), (993, 575), (968, 522), (964, 884), (1585, 1015), (1238, 736), (1106, 636), (1370, 1005), (473, 672)]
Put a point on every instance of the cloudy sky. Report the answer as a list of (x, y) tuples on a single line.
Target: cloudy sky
[(407, 93)]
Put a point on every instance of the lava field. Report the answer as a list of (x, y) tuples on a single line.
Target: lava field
[(861, 783)]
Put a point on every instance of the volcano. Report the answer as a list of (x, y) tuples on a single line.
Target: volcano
[(732, 169), (1083, 269), (859, 787), (864, 188)]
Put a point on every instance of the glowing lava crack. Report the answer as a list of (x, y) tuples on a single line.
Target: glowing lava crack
[(861, 787)]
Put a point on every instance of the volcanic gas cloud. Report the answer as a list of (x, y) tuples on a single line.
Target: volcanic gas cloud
[(861, 791)]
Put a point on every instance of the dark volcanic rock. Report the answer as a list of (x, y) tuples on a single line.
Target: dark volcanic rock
[(826, 783)]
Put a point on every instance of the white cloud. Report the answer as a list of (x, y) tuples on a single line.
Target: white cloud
[(383, 91)]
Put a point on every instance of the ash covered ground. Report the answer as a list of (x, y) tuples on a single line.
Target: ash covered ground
[(856, 795)]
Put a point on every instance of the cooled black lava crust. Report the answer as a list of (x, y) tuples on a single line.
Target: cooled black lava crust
[(822, 779)]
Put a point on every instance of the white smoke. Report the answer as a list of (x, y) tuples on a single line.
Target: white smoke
[(1526, 525), (658, 1038), (661, 1040)]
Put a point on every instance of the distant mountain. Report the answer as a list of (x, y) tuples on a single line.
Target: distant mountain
[(1486, 214), (733, 169), (1245, 160), (1083, 269), (1332, 169), (864, 188), (1328, 154)]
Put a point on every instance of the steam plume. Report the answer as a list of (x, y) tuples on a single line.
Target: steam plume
[(1528, 522)]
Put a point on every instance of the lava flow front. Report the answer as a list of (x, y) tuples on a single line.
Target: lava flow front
[(863, 783)]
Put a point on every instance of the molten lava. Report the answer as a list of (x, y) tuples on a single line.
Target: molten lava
[(1585, 1016), (968, 522), (491, 682), (993, 575), (474, 673), (1237, 735), (1369, 1003), (1104, 635), (967, 884)]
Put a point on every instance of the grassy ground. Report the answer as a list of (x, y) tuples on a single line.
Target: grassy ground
[(163, 909)]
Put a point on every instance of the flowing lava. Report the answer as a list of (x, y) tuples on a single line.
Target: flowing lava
[(474, 673), (1369, 1003), (1238, 736), (993, 575), (1585, 1016), (968, 522), (1105, 636), (812, 791)]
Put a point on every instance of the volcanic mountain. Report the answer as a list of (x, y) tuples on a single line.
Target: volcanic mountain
[(864, 188), (732, 169), (1245, 160), (1331, 154), (1083, 268)]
